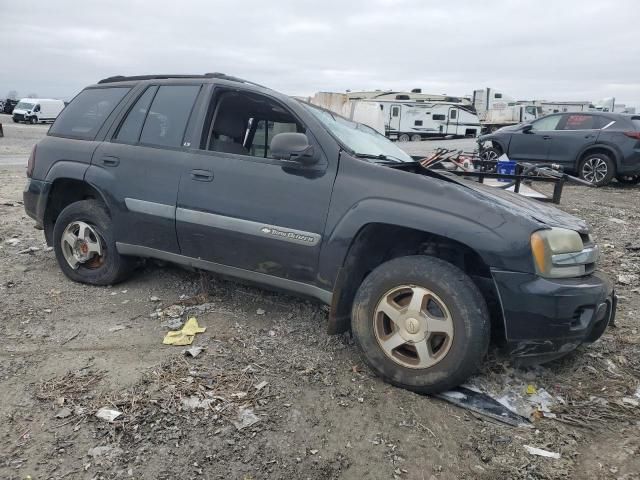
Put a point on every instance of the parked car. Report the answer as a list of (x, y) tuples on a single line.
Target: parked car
[(596, 146), (9, 105), (37, 110), (221, 174)]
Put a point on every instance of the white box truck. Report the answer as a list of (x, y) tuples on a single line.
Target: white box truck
[(497, 110), (37, 110)]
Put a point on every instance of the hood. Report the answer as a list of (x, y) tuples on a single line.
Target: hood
[(518, 204)]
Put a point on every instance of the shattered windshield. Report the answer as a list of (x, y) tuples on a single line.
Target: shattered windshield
[(362, 140)]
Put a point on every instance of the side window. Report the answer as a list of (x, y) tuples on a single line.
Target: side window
[(418, 123), (168, 115), (129, 131), (37, 108), (546, 124), (438, 116), (86, 113), (497, 95), (453, 115), (395, 111), (245, 124), (579, 122), (263, 133), (530, 110)]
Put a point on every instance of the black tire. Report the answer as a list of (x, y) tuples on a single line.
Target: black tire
[(33, 120), (404, 137), (605, 166), (15, 120), (111, 267), (468, 309), (491, 153), (628, 179)]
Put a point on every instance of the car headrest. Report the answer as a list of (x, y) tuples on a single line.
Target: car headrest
[(230, 126)]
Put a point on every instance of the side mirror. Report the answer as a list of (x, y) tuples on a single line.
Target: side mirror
[(293, 147), (527, 129)]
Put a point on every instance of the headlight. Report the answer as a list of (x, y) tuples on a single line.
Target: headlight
[(560, 253)]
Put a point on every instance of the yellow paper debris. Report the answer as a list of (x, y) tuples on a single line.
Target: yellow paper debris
[(184, 336), (531, 390)]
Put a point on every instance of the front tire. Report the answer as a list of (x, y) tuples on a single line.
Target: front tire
[(597, 169), (33, 120), (84, 245), (490, 154), (421, 323)]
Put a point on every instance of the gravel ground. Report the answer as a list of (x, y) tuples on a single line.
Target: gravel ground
[(70, 349)]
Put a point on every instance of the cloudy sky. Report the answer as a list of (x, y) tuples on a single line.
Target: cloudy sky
[(556, 50)]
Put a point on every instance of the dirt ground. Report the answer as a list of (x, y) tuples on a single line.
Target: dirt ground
[(271, 395)]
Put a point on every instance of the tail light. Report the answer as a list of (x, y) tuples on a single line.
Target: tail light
[(635, 135), (32, 162)]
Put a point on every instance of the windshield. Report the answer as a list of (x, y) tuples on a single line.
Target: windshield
[(359, 138), (25, 106)]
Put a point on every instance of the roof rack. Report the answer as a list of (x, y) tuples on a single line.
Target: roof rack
[(222, 76)]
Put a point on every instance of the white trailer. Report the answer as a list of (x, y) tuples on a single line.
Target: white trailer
[(404, 116), (497, 110)]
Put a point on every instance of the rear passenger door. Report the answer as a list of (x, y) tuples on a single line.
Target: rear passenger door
[(574, 133), (141, 164)]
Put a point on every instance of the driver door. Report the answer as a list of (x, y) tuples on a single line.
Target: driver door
[(534, 145), (240, 207)]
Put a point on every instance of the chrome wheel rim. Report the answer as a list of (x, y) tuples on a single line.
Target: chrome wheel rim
[(489, 155), (413, 326), (81, 245), (594, 170)]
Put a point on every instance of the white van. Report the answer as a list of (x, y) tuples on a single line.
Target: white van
[(37, 110)]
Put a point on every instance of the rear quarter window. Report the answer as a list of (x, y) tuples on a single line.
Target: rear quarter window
[(86, 113)]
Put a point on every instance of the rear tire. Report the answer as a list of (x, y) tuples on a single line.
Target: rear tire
[(404, 138), (447, 301), (416, 138), (106, 268), (597, 169)]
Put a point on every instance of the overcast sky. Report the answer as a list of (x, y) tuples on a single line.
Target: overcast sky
[(535, 49)]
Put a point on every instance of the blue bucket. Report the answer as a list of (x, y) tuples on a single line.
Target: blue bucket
[(506, 168)]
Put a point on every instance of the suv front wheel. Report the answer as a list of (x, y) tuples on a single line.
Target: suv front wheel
[(422, 323), (597, 169), (84, 245)]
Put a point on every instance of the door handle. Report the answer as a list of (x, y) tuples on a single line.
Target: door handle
[(546, 137), (202, 175), (110, 161)]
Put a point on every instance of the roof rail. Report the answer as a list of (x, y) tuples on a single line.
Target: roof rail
[(222, 76)]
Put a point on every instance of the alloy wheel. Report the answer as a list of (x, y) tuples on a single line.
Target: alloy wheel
[(81, 245), (594, 170), (413, 326)]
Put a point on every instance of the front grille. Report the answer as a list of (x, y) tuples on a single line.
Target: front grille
[(18, 116)]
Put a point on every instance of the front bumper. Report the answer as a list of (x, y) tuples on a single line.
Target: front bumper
[(35, 196), (546, 318)]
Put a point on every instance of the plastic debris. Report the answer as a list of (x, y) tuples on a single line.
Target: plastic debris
[(117, 328), (194, 351), (531, 390), (540, 452), (261, 311), (154, 299), (173, 311), (630, 401), (103, 451), (194, 402), (261, 385), (245, 419), (184, 336), (63, 413), (483, 404), (29, 250), (108, 414), (13, 241)]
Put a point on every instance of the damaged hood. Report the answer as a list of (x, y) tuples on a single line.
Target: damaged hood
[(541, 212)]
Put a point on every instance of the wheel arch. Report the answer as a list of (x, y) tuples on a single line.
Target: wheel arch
[(63, 192), (376, 243), (599, 148)]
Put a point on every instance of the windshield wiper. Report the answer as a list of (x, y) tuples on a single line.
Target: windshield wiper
[(386, 158)]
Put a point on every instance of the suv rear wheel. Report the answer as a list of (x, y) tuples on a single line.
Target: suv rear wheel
[(84, 245), (421, 323), (597, 169)]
